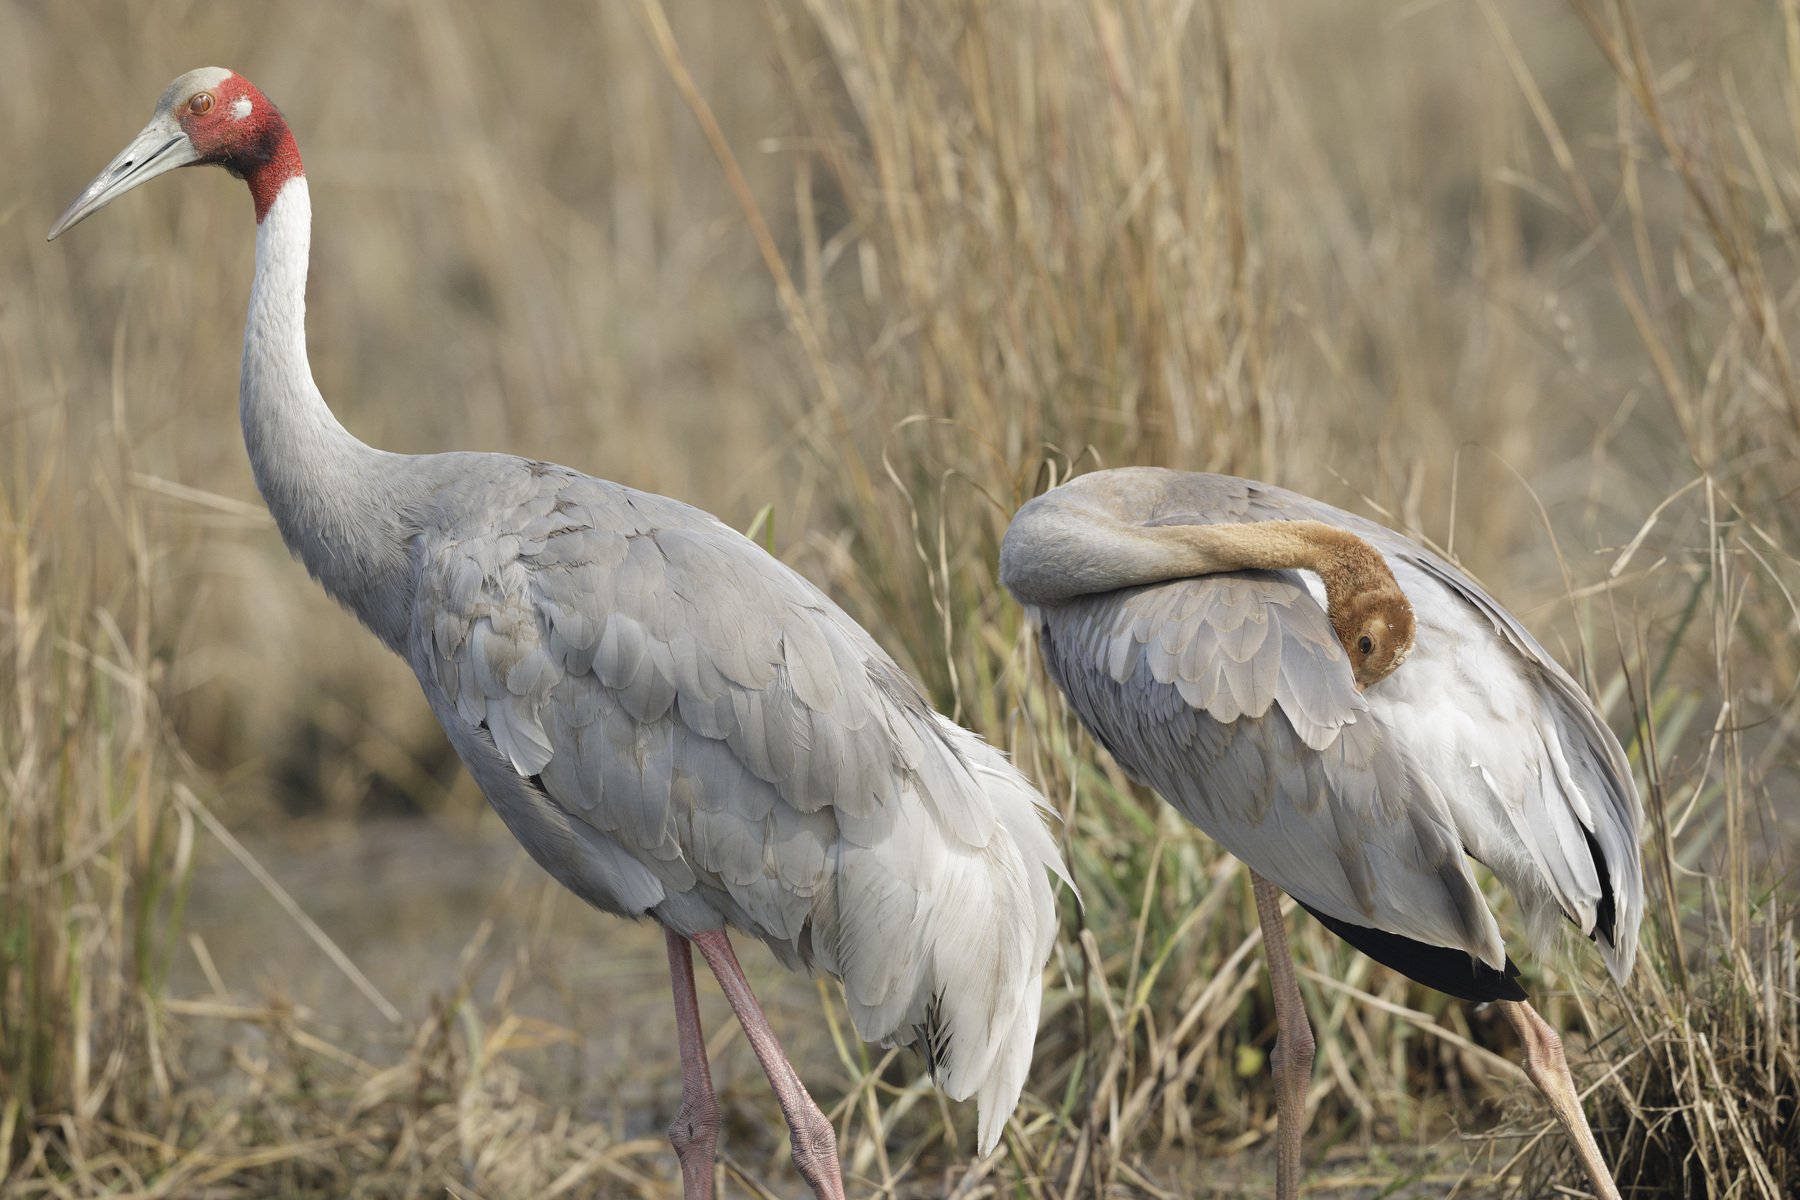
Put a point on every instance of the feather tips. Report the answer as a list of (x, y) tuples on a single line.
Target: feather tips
[(686, 704), (1480, 741), (1274, 757)]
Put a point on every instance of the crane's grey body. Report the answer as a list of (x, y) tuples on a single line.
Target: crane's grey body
[(674, 724), (718, 738), (1230, 695)]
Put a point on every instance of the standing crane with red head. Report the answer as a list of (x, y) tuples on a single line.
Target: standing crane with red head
[(674, 724)]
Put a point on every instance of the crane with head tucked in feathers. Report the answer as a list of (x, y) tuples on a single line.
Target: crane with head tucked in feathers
[(674, 724), (1356, 735)]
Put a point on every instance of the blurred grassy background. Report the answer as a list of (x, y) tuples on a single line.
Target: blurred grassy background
[(1518, 278)]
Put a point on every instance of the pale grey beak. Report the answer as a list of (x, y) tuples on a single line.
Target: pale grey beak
[(162, 146)]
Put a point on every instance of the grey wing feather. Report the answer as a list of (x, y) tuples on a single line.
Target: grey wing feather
[(1567, 778), (708, 740), (669, 686), (1263, 742), (1584, 788)]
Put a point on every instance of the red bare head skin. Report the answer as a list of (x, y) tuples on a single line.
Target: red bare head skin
[(233, 124), (209, 115)]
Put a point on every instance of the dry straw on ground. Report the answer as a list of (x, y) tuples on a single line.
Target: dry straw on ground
[(1517, 277)]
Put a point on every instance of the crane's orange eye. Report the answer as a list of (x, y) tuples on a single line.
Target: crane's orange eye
[(201, 104)]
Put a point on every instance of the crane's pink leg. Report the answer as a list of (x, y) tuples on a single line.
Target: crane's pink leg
[(1293, 1057), (811, 1135), (695, 1131), (1549, 1070)]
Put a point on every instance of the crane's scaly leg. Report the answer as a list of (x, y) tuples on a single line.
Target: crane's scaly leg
[(695, 1130), (1549, 1070), (811, 1135), (1293, 1057)]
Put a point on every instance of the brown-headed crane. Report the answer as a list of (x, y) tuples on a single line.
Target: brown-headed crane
[(1272, 710)]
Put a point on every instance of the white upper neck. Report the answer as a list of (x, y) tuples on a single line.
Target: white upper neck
[(346, 510)]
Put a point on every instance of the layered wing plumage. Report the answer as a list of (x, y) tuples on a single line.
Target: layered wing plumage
[(1230, 695), (721, 745)]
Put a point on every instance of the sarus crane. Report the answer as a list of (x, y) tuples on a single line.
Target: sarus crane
[(1272, 709), (674, 724)]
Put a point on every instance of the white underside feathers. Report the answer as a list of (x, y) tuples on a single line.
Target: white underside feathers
[(942, 943)]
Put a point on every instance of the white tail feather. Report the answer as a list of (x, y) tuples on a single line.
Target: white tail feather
[(959, 971)]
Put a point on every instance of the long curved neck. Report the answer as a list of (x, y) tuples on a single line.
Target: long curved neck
[(1344, 562), (1059, 554), (346, 510)]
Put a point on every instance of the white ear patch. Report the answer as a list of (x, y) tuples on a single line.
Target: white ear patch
[(240, 108)]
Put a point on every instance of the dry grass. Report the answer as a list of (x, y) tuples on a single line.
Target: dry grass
[(1518, 277)]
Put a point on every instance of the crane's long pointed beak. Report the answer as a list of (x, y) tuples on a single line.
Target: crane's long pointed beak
[(162, 146)]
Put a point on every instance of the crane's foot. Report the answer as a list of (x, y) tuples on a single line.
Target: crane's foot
[(1546, 1066), (813, 1139), (695, 1131)]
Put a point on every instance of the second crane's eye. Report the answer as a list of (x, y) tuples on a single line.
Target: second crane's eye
[(201, 104), (1365, 644)]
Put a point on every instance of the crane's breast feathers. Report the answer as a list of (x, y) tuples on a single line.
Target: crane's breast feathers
[(1230, 695), (668, 683)]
